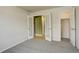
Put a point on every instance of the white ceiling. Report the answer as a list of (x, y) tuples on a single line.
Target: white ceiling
[(36, 8)]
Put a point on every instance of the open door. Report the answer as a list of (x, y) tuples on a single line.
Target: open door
[(30, 27), (48, 28), (72, 28)]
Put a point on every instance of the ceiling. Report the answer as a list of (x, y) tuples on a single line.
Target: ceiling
[(36, 8)]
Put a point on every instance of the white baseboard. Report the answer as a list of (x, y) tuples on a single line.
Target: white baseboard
[(12, 46)]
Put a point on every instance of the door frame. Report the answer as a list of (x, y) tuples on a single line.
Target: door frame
[(72, 26), (43, 26), (68, 19), (34, 24), (44, 14)]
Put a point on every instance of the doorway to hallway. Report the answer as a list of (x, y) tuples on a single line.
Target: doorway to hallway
[(65, 30), (39, 27)]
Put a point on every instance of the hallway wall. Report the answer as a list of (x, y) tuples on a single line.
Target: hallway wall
[(13, 26)]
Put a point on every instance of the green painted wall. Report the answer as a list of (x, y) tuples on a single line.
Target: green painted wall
[(38, 24)]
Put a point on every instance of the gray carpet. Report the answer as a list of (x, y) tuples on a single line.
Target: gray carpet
[(43, 46)]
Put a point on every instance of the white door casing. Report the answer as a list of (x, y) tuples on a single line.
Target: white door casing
[(47, 19), (48, 29), (72, 27)]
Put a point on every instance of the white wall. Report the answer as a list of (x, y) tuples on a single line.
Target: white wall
[(30, 27), (56, 26), (77, 27), (13, 26), (14, 29), (57, 14), (62, 13), (65, 28)]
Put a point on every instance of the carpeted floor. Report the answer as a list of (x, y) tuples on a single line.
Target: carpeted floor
[(43, 46)]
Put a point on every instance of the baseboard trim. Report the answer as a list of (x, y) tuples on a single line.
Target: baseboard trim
[(11, 46)]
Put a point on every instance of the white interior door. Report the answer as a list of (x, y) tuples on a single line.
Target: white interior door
[(30, 27), (48, 27), (72, 28)]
